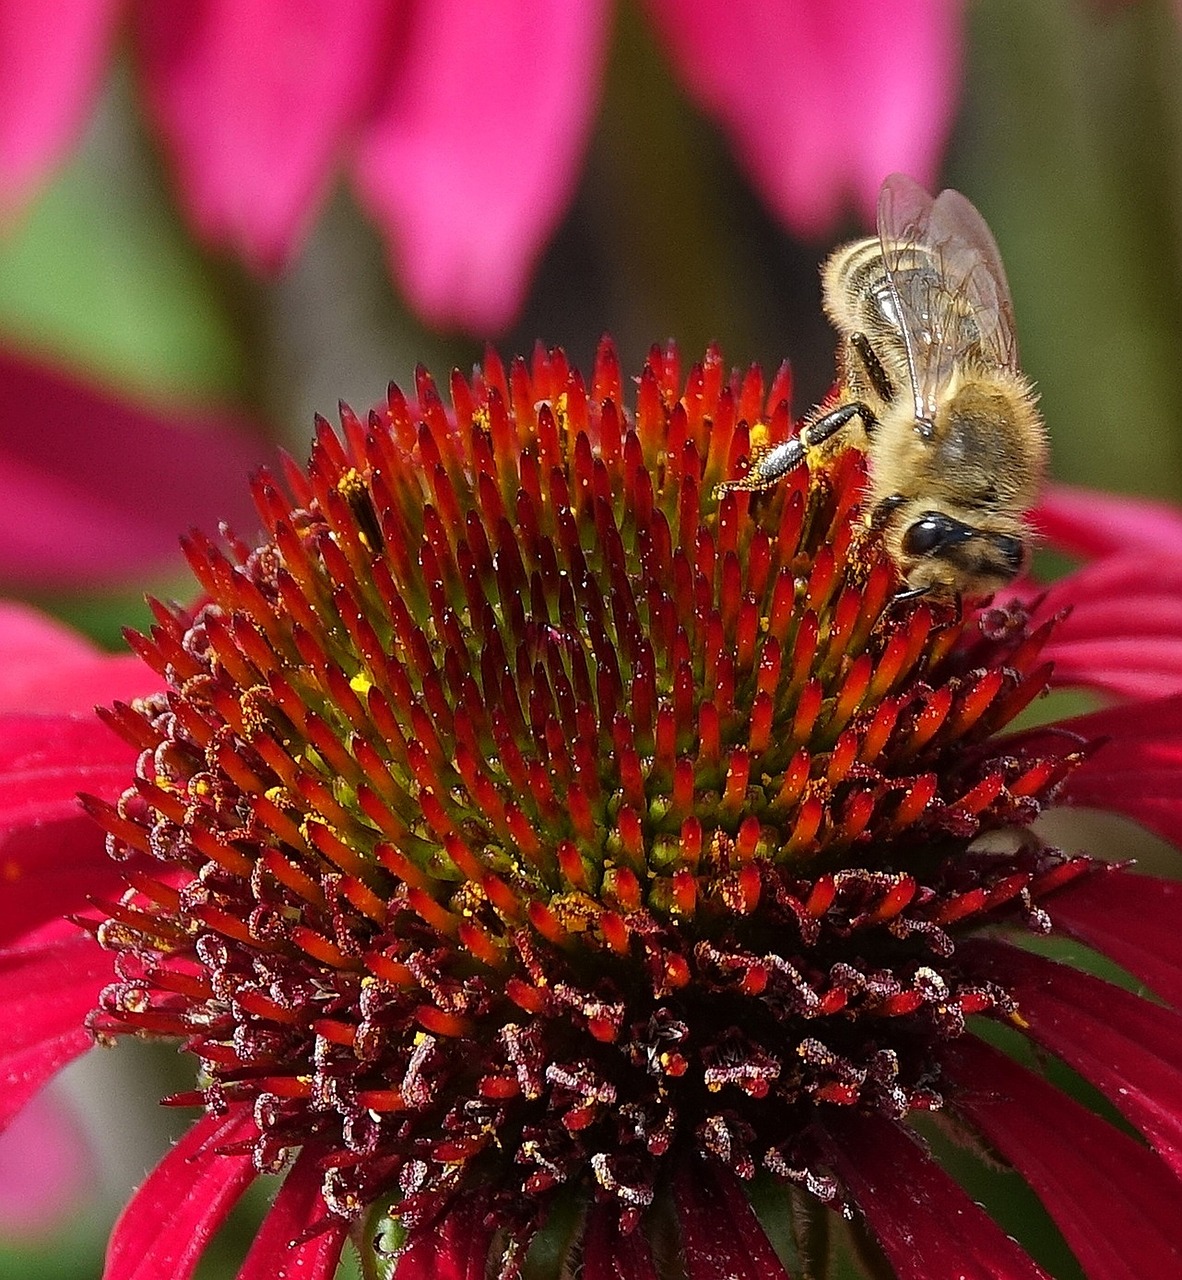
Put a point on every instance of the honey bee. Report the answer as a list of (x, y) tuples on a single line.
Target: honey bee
[(929, 388)]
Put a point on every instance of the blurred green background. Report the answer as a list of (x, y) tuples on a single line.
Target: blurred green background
[(1068, 138)]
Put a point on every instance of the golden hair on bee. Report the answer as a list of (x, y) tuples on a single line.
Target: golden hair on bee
[(929, 387)]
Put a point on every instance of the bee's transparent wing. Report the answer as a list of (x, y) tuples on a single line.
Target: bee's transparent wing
[(953, 300)]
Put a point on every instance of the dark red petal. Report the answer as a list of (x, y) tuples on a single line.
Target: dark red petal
[(46, 990), (1129, 1049), (175, 1213), (1124, 632), (720, 1233), (95, 488), (47, 668), (1083, 1170), (46, 760), (298, 1206), (51, 871), (454, 1249), (608, 1254), (1133, 919), (1135, 773), (1092, 523), (925, 1223)]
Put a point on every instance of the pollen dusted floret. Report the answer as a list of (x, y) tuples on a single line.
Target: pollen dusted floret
[(518, 816)]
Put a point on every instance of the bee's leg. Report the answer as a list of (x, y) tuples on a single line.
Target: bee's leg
[(913, 593), (829, 424), (875, 373), (766, 469)]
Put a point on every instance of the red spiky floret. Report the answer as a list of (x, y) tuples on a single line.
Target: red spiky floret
[(523, 818)]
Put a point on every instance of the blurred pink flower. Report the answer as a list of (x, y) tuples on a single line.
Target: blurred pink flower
[(465, 127), (96, 488), (45, 1165)]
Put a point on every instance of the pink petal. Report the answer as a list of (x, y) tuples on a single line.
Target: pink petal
[(255, 100), (1124, 632), (474, 156), (812, 131), (95, 490), (46, 991), (45, 1167), (298, 1206), (174, 1215), (1132, 919), (455, 1248), (1080, 1167), (1090, 522), (46, 667), (608, 1254), (46, 760), (1129, 1049), (53, 870), (1137, 772), (720, 1234), (49, 70), (926, 1224)]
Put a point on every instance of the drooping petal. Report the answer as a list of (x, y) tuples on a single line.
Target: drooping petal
[(46, 667), (454, 1249), (51, 870), (1133, 919), (255, 100), (46, 760), (1083, 1170), (608, 1254), (777, 78), (720, 1233), (1129, 1049), (45, 1164), (1089, 522), (298, 1206), (926, 1224), (95, 488), (49, 71), (46, 990), (1123, 634), (1136, 771), (173, 1216), (472, 159)]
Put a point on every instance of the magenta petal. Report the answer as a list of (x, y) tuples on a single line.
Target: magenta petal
[(926, 1224), (454, 1248), (1133, 919), (46, 991), (49, 71), (95, 489), (1083, 1170), (608, 1254), (46, 760), (298, 1206), (255, 100), (720, 1234), (175, 1213), (1136, 772), (52, 870), (1124, 632), (1129, 1049), (776, 78), (474, 155), (1090, 522), (45, 1166), (46, 667)]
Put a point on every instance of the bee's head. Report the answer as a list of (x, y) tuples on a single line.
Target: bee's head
[(938, 552)]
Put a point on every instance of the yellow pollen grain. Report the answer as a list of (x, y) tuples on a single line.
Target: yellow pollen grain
[(758, 435), (1019, 1021), (201, 787), (276, 795), (361, 684)]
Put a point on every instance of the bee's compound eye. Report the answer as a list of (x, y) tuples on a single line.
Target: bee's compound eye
[(1011, 551), (932, 532)]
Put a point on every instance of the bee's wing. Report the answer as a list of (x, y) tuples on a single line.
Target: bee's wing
[(946, 272)]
